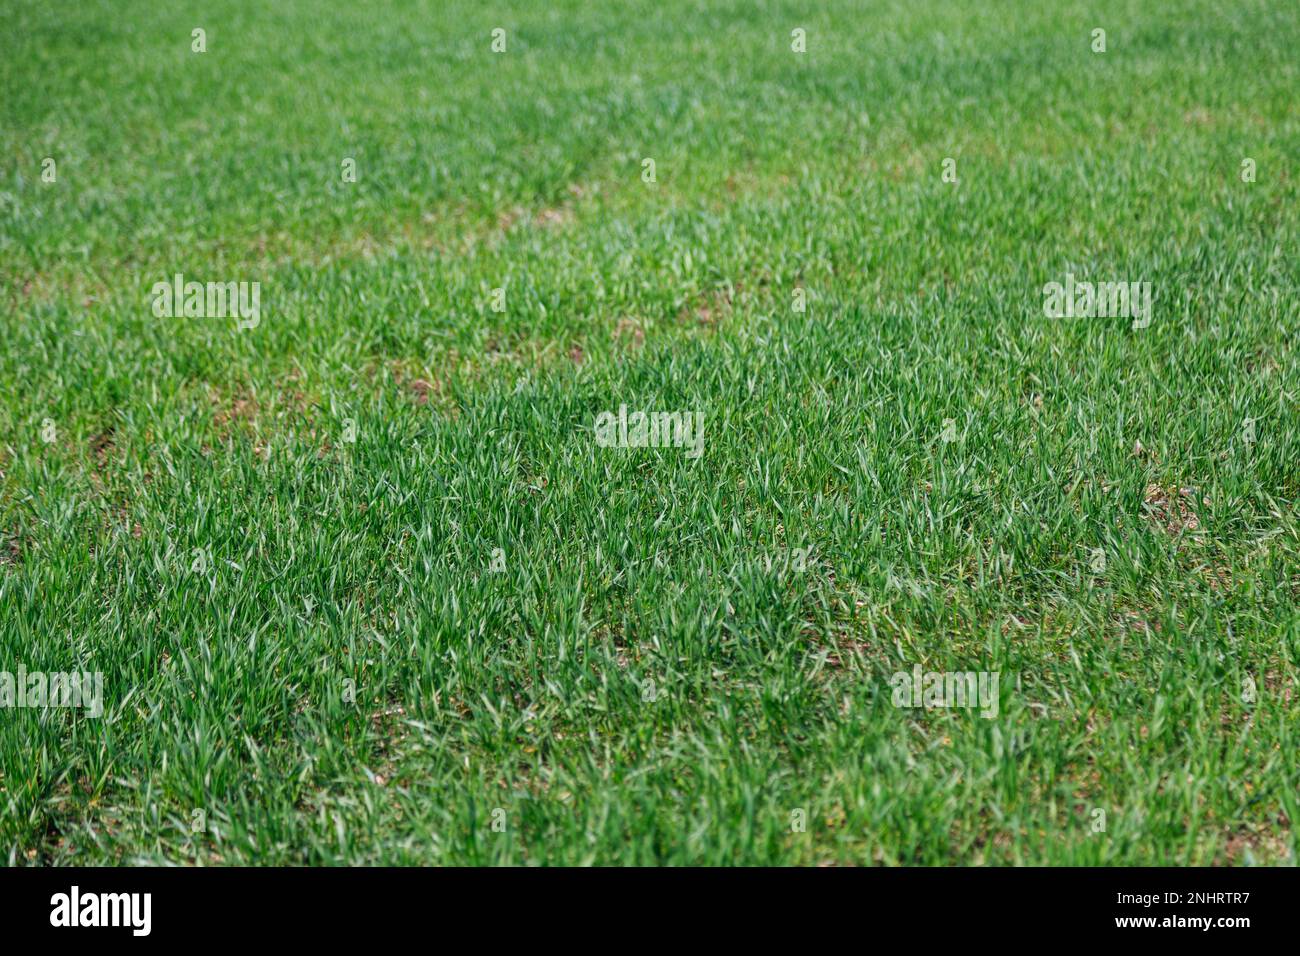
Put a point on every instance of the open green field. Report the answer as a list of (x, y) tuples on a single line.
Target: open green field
[(362, 582)]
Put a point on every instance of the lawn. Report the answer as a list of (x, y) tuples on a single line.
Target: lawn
[(369, 575)]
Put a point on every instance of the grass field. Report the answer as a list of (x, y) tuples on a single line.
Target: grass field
[(364, 586)]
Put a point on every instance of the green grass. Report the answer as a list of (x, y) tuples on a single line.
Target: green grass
[(651, 679)]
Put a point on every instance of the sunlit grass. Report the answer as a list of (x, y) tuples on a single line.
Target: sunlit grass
[(278, 544)]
